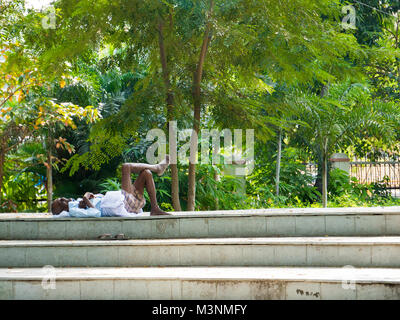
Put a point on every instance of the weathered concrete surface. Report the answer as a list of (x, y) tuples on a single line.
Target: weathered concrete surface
[(310, 251), (374, 221), (279, 211), (249, 254), (203, 283)]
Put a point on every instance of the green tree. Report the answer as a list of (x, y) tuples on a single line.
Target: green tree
[(378, 25), (50, 116), (18, 76), (27, 112), (207, 53), (334, 121)]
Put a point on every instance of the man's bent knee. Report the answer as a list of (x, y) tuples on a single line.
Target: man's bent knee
[(147, 173)]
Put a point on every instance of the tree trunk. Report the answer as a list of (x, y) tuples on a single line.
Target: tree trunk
[(324, 180), (217, 178), (174, 174), (193, 154), (278, 162), (49, 173), (324, 171), (196, 93), (2, 161), (170, 103)]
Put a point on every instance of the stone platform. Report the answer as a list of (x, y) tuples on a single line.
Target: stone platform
[(240, 283), (376, 221), (245, 254), (305, 251)]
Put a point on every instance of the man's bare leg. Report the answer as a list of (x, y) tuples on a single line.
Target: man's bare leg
[(145, 179), (129, 168), (156, 168)]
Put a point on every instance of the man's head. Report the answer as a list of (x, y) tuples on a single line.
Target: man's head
[(59, 205)]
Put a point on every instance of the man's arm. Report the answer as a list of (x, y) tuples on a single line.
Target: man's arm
[(85, 202)]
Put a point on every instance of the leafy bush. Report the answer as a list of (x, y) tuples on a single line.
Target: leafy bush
[(110, 184), (339, 182), (295, 186), (346, 192), (224, 194), (377, 192)]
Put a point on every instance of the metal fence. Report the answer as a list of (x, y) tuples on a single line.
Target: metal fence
[(367, 172)]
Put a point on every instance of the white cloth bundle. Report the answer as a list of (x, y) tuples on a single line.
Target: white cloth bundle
[(113, 204)]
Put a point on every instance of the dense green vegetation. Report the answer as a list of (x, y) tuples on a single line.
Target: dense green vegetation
[(77, 98)]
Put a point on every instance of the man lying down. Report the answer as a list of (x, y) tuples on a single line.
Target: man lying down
[(127, 202)]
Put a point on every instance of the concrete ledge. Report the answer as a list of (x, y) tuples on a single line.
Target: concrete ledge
[(247, 223), (203, 283), (315, 251), (368, 241), (225, 213)]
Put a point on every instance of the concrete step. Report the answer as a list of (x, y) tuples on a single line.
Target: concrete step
[(200, 283), (376, 221), (293, 251)]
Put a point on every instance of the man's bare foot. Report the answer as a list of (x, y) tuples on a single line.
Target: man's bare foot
[(158, 212), (163, 165)]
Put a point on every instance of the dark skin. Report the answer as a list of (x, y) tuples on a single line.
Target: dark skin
[(63, 204), (143, 181)]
